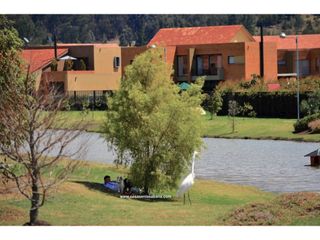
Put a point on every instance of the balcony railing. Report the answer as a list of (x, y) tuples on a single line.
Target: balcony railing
[(217, 77)]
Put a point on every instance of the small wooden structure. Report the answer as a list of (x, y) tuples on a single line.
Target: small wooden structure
[(314, 157)]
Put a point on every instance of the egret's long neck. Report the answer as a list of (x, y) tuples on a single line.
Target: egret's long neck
[(192, 168)]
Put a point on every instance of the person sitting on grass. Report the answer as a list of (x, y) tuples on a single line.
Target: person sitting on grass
[(121, 186), (111, 185)]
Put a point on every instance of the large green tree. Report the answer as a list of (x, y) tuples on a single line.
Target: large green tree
[(10, 59), (10, 66), (152, 126)]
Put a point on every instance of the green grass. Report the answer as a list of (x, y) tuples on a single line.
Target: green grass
[(220, 126), (82, 201), (92, 119), (255, 128)]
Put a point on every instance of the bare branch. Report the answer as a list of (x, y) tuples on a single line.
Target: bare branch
[(27, 119)]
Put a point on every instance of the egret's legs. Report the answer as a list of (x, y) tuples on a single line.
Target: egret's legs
[(189, 198)]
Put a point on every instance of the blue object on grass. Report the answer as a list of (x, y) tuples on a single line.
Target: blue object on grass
[(113, 186)]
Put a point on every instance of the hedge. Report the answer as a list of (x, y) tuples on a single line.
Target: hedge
[(266, 104)]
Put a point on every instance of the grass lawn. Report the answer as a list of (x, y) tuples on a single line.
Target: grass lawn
[(256, 128), (220, 126), (82, 201)]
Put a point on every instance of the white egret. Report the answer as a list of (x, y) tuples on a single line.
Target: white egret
[(187, 182)]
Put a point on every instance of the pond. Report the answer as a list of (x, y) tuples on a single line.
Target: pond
[(276, 166)]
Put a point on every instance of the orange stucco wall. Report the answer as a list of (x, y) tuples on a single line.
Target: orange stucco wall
[(252, 60), (86, 81), (128, 54), (270, 61), (231, 71), (101, 76)]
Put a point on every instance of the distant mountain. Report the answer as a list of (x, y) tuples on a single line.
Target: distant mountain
[(141, 28)]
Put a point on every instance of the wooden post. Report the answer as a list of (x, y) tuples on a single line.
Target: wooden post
[(191, 54)]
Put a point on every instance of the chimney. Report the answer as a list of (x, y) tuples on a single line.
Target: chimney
[(55, 46), (261, 53)]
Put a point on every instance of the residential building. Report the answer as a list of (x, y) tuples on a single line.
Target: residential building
[(39, 59), (216, 52), (309, 54), (94, 68)]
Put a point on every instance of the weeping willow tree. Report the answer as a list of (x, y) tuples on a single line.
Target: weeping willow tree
[(152, 125)]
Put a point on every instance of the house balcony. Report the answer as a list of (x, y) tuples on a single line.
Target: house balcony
[(86, 80), (210, 77)]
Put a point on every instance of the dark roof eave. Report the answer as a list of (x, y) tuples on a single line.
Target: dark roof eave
[(314, 153)]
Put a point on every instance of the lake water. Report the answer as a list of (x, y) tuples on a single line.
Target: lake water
[(277, 166)]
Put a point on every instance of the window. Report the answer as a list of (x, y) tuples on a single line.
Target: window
[(182, 65), (318, 63), (199, 66), (231, 60), (235, 59), (116, 62), (206, 65), (304, 68), (281, 62)]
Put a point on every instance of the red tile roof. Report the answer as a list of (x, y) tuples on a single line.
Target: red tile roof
[(195, 35), (107, 45), (307, 41), (39, 58)]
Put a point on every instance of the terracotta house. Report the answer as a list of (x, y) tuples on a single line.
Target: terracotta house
[(217, 52), (39, 60), (309, 54), (94, 68)]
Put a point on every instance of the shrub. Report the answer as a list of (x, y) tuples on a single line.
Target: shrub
[(252, 114), (214, 103), (68, 65), (54, 65), (247, 110), (312, 104), (302, 124), (82, 65), (314, 126), (307, 84)]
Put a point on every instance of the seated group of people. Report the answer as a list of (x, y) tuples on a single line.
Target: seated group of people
[(122, 186)]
